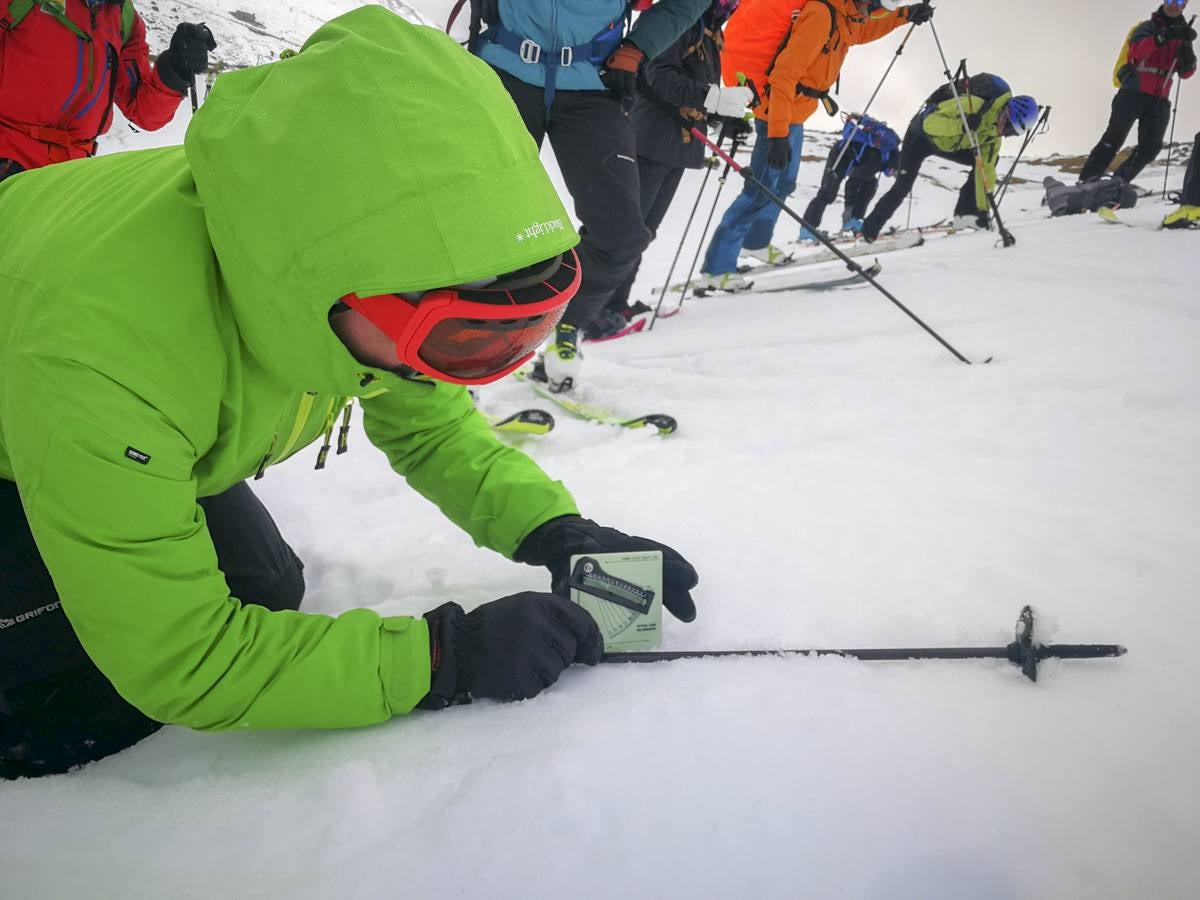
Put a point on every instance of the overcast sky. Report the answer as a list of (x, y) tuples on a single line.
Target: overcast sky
[(1060, 51)]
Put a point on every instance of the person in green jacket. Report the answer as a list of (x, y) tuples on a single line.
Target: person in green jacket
[(176, 321), (992, 112)]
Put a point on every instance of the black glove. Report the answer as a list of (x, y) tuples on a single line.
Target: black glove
[(920, 13), (187, 56), (1187, 59), (508, 649), (1179, 28), (779, 153), (553, 543), (621, 70)]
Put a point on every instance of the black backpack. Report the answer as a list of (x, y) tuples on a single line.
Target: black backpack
[(1070, 200)]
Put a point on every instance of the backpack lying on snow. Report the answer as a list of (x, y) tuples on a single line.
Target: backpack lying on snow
[(1070, 200)]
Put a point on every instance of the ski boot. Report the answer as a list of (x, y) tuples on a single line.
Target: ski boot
[(562, 360), (807, 237), (769, 255), (968, 223), (720, 281), (1184, 217), (607, 324), (853, 225)]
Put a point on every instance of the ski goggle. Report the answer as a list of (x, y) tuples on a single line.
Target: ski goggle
[(1179, 3), (475, 334)]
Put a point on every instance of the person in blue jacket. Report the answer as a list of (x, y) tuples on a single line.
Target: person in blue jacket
[(866, 148), (571, 67)]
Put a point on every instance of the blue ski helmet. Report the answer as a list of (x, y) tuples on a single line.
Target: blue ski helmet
[(1021, 114)]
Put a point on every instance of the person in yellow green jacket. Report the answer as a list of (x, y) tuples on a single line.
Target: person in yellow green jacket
[(177, 321), (992, 112)]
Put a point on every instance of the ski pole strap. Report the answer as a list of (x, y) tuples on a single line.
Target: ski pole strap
[(831, 107)]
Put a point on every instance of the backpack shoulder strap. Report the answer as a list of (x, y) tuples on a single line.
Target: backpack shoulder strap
[(128, 14), (17, 10), (13, 11)]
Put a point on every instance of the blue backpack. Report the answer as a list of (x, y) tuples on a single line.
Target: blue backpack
[(870, 133)]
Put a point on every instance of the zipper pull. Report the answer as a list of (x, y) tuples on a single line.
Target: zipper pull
[(344, 431), (262, 466), (323, 453)]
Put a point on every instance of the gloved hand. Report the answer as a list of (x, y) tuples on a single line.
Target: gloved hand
[(920, 13), (779, 153), (1179, 28), (508, 649), (553, 543), (187, 56), (730, 102), (620, 70)]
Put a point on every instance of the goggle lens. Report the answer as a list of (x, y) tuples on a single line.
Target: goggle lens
[(472, 349)]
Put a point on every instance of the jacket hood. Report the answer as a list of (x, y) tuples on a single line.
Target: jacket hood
[(382, 157)]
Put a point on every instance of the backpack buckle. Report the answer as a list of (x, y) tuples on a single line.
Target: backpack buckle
[(530, 52), (566, 56)]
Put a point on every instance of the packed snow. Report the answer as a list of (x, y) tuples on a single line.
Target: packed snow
[(839, 479)]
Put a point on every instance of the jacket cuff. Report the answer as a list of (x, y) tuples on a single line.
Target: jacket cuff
[(404, 662)]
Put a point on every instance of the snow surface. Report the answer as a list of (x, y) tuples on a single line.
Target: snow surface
[(839, 479)]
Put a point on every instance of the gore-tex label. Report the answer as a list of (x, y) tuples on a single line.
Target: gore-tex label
[(137, 455)]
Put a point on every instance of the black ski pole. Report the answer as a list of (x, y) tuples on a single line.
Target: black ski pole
[(850, 263), (886, 72), (1043, 125), (686, 229), (712, 212), (1174, 114), (1022, 651), (1006, 237)]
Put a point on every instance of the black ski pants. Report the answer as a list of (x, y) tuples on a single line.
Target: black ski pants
[(860, 187), (56, 709), (658, 184), (594, 144), (1190, 195), (913, 153), (1152, 115)]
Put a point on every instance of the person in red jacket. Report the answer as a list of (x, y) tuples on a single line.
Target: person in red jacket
[(63, 65), (1155, 51)]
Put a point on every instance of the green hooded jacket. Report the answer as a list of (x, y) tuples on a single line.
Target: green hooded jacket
[(943, 126), (164, 333)]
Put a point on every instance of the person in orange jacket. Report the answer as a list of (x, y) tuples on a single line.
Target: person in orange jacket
[(793, 51)]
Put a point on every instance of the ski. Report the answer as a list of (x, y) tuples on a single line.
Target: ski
[(1109, 215), (524, 421), (632, 328), (775, 285), (590, 412), (902, 241), (827, 284)]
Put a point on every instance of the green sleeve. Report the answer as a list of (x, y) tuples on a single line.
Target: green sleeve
[(989, 139), (135, 569), (433, 436)]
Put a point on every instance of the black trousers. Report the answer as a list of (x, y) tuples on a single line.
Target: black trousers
[(860, 187), (1152, 115), (56, 709), (9, 167), (658, 184), (1190, 195), (913, 153), (594, 144)]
